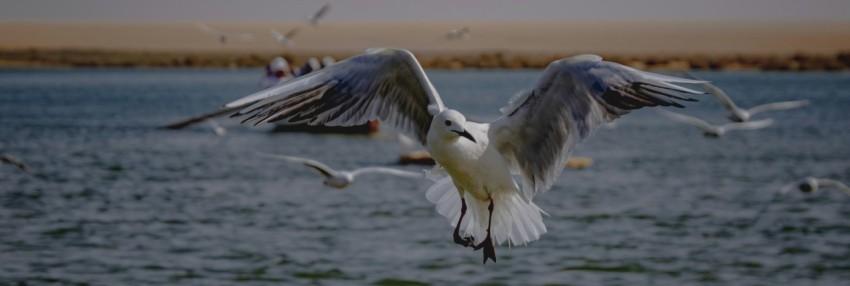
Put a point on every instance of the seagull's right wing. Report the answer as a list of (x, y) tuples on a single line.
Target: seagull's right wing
[(209, 30), (390, 171), (539, 129), (699, 123), (827, 183), (778, 106), (382, 83), (316, 165), (277, 35), (749, 125), (314, 19)]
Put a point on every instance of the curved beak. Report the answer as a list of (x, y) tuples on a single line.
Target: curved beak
[(466, 135)]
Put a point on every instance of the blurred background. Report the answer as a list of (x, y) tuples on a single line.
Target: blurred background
[(121, 186)]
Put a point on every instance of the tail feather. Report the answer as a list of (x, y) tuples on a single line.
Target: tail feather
[(514, 220)]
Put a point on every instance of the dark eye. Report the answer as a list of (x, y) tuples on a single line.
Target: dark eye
[(448, 123)]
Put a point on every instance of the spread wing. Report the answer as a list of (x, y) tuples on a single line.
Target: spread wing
[(687, 119), (749, 125), (718, 93), (316, 165), (572, 98), (778, 106), (382, 83), (827, 183), (389, 171)]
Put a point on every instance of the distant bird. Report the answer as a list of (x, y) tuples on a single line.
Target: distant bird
[(738, 114), (14, 161), (533, 139), (222, 36), (338, 178), (284, 39), (314, 19), (811, 185), (458, 34), (218, 129), (717, 130)]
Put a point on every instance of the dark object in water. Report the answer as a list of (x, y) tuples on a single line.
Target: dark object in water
[(366, 128)]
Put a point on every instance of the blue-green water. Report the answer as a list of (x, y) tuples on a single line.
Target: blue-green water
[(116, 201)]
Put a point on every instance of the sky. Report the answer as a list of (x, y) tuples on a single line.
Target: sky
[(426, 10)]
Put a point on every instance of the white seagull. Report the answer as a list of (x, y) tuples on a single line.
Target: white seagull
[(284, 39), (222, 36), (314, 19), (717, 130), (338, 178), (811, 185), (738, 114), (458, 34), (533, 138)]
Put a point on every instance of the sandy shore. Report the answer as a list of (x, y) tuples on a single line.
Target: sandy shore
[(537, 40)]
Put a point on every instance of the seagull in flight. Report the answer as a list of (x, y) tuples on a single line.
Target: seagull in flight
[(811, 185), (338, 178), (284, 39), (15, 161), (533, 138), (458, 34), (738, 114), (314, 19), (717, 130), (222, 36)]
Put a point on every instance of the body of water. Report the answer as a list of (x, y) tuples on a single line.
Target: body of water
[(117, 201)]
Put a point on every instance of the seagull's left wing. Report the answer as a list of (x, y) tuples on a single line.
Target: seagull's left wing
[(389, 171), (827, 183), (749, 125), (539, 129), (778, 106), (383, 83)]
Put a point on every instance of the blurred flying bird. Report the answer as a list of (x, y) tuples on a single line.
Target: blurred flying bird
[(314, 19), (218, 129), (811, 185), (15, 161), (738, 114), (284, 39), (222, 36), (458, 34), (533, 139), (339, 178), (717, 130)]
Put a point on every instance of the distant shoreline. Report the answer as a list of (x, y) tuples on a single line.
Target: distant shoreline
[(668, 45), (96, 58)]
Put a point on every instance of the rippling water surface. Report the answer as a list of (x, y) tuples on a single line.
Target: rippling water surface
[(116, 201)]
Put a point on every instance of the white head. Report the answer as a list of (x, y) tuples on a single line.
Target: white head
[(450, 125)]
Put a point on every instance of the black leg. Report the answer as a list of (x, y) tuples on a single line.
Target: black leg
[(487, 244), (466, 241)]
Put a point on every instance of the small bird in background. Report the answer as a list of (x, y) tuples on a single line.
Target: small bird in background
[(340, 178), (738, 114), (811, 185), (284, 39), (218, 129), (316, 17), (222, 36), (458, 34), (716, 130), (15, 161)]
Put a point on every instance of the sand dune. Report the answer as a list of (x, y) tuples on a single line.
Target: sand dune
[(621, 38)]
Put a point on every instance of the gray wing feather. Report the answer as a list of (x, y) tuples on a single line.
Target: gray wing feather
[(316, 165), (778, 106), (749, 125), (390, 171), (572, 98), (834, 184), (699, 123), (383, 83)]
